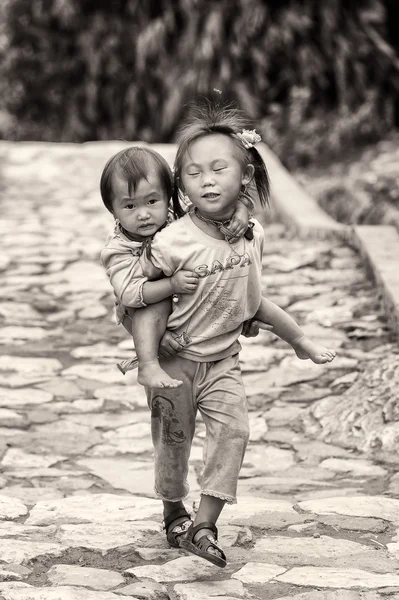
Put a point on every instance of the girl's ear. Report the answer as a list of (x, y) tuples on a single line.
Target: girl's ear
[(248, 174)]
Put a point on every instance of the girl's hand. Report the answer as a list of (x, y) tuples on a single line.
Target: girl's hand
[(251, 328), (184, 282), (169, 345)]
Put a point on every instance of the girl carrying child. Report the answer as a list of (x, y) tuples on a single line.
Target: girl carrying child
[(136, 187), (219, 288)]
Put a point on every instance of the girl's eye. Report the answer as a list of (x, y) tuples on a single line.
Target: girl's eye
[(153, 201), (193, 174), (220, 169), (130, 206)]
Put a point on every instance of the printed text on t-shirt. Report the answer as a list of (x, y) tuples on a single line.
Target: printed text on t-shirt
[(236, 260)]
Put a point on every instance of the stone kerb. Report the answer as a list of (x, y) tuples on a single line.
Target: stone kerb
[(294, 207), (378, 245)]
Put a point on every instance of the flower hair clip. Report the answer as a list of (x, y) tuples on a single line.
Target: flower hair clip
[(249, 138)]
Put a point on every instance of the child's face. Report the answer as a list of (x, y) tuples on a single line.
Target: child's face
[(143, 211), (212, 176)]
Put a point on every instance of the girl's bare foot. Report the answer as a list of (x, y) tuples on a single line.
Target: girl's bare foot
[(305, 348), (152, 375)]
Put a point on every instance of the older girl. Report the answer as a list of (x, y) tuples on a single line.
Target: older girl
[(215, 161)]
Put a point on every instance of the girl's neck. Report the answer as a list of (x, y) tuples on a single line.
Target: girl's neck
[(221, 218), (208, 225)]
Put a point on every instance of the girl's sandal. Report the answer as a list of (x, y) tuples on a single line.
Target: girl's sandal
[(173, 534), (201, 546)]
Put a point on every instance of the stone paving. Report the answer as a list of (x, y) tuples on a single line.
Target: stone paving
[(78, 517)]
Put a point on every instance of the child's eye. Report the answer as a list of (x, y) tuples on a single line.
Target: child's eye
[(220, 169), (153, 201), (130, 206), (193, 174)]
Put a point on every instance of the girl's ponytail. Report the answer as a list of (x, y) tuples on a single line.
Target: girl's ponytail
[(261, 176)]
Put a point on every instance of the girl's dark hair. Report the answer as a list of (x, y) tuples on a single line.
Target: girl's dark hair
[(208, 118), (134, 164)]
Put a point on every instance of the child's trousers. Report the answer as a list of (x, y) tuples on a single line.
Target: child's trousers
[(217, 390)]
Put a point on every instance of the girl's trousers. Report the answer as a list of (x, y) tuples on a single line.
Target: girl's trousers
[(217, 391)]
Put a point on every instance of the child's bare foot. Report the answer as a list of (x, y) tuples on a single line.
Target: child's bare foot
[(152, 375), (305, 348)]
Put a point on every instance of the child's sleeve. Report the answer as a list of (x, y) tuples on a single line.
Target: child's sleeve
[(126, 276), (160, 259)]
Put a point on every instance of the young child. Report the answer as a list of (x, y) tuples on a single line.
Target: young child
[(216, 159), (136, 187)]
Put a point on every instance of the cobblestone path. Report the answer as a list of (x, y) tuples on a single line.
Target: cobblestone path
[(78, 517)]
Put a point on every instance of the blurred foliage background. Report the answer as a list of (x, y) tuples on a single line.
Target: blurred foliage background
[(319, 76)]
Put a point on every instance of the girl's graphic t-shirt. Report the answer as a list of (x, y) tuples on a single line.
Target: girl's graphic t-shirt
[(210, 320)]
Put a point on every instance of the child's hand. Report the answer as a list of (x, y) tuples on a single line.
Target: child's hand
[(239, 221), (184, 282), (169, 345)]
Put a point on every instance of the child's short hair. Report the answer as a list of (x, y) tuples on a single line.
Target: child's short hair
[(208, 118), (135, 164)]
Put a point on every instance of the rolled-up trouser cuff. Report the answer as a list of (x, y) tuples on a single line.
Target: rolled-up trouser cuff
[(161, 497), (225, 497)]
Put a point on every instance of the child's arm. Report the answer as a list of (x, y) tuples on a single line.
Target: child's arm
[(245, 208), (288, 330), (238, 223), (133, 289), (181, 282)]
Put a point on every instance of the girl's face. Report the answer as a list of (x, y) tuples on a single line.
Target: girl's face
[(212, 176), (142, 212)]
